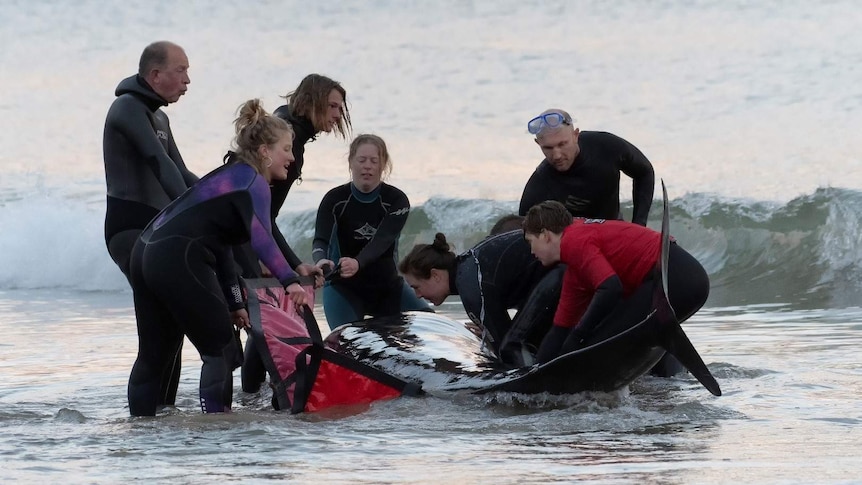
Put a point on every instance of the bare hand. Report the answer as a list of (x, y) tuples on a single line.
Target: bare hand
[(296, 294), (473, 327), (349, 267), (306, 269), (239, 318)]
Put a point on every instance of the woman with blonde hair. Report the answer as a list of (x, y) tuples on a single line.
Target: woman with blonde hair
[(182, 267)]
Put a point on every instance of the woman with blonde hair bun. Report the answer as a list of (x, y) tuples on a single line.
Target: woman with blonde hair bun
[(182, 268)]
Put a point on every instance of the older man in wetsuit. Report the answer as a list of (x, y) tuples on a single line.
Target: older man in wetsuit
[(581, 170), (143, 167)]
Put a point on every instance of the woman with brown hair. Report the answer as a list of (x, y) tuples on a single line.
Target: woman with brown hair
[(317, 105)]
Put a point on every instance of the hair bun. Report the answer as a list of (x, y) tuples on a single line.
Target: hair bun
[(440, 243)]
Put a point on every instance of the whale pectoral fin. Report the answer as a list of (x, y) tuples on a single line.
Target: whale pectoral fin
[(676, 342)]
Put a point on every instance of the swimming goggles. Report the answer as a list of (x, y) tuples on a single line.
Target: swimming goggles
[(551, 120)]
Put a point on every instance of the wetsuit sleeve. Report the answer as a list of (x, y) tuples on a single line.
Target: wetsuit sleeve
[(587, 268), (132, 120), (188, 177), (278, 191), (278, 194), (481, 301), (261, 235), (323, 226), (389, 229), (574, 299), (605, 299), (635, 164), (532, 194)]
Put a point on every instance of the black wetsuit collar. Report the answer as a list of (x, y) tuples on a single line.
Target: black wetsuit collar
[(303, 128), (365, 196), (453, 289), (138, 87), (548, 165)]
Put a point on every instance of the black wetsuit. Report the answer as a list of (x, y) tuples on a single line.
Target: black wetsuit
[(185, 282), (591, 186), (303, 132), (365, 227), (144, 172), (498, 274)]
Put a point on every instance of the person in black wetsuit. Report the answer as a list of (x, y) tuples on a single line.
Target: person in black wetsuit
[(497, 274), (358, 225), (318, 104), (143, 167), (183, 272), (581, 170)]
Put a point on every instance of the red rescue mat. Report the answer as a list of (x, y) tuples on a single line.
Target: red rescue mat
[(305, 375)]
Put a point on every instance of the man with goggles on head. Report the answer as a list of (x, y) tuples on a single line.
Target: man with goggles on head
[(581, 170)]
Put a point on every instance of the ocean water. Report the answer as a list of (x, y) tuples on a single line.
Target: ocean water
[(750, 112)]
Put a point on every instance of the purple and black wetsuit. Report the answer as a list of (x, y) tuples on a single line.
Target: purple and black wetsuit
[(185, 282)]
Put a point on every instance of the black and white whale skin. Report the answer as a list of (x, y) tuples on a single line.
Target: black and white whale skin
[(443, 355)]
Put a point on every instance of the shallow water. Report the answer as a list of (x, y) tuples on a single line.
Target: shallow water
[(789, 413), (749, 111)]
